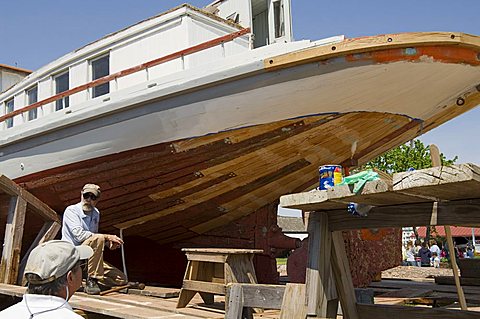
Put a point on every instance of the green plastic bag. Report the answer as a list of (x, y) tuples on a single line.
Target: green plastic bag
[(359, 179)]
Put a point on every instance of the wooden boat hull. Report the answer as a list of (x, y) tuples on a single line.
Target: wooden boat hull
[(175, 166)]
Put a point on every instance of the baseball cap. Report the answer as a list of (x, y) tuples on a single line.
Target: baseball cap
[(53, 259), (91, 188)]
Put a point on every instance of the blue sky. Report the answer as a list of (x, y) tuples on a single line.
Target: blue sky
[(34, 33)]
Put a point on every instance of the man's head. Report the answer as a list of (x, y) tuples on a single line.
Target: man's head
[(90, 196), (55, 265)]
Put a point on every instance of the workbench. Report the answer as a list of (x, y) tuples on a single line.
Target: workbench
[(435, 196)]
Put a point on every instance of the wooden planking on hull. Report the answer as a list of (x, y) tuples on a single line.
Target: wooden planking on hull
[(269, 158), (211, 181), (246, 205), (174, 162)]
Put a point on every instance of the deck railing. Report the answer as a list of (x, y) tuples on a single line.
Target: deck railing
[(143, 66)]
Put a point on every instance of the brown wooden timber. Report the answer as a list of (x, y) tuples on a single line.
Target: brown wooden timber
[(48, 232), (12, 243), (454, 213), (374, 43), (9, 187)]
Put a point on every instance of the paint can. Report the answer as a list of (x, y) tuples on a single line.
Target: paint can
[(330, 175)]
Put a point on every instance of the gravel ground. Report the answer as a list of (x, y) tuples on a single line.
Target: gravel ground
[(405, 272), (401, 272)]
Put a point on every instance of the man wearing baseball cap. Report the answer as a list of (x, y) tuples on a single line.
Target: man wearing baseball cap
[(54, 273), (80, 227)]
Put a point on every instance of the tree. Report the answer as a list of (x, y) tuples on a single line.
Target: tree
[(412, 155)]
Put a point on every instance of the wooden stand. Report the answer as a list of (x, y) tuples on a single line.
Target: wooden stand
[(435, 196), (210, 270)]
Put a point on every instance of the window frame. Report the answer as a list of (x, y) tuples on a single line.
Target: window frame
[(95, 90), (32, 114), (9, 121), (62, 103)]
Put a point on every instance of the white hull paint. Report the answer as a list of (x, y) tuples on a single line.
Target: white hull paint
[(340, 88)]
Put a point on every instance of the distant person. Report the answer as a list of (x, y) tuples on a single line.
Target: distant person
[(410, 254), (425, 255), (470, 253), (80, 227), (53, 272), (435, 260), (418, 259), (434, 247)]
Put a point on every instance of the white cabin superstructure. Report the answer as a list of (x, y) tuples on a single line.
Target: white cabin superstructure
[(173, 31)]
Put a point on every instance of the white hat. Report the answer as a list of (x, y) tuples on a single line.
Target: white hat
[(54, 259), (91, 188)]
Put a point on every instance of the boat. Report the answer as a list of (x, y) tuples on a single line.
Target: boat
[(195, 121)]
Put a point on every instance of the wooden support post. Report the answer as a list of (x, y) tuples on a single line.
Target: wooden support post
[(320, 290), (243, 297), (13, 240), (453, 259), (436, 161), (235, 302), (343, 277), (48, 232), (293, 304)]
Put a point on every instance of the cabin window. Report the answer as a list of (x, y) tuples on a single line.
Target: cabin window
[(9, 109), (100, 68), (32, 97), (61, 85), (279, 19)]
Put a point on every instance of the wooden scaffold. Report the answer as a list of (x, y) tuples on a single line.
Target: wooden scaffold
[(18, 201), (438, 196)]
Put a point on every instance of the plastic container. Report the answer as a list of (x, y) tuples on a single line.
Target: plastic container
[(330, 175)]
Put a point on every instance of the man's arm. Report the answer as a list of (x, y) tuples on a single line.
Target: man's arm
[(113, 241)]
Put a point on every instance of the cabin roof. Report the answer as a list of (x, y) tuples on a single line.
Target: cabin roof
[(185, 5), (14, 68)]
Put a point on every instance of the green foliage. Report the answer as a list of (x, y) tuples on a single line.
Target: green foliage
[(281, 261), (410, 155)]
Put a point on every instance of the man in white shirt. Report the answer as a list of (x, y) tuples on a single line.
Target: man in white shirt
[(80, 227), (434, 248), (54, 273)]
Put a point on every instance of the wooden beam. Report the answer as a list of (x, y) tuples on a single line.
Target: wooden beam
[(48, 232), (427, 185), (320, 290), (367, 311), (453, 259), (343, 277), (373, 43), (440, 182), (12, 244), (36, 205), (293, 304), (235, 305), (437, 162), (455, 213), (290, 299)]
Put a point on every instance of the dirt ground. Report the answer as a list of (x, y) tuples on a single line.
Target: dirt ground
[(400, 272), (406, 272)]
